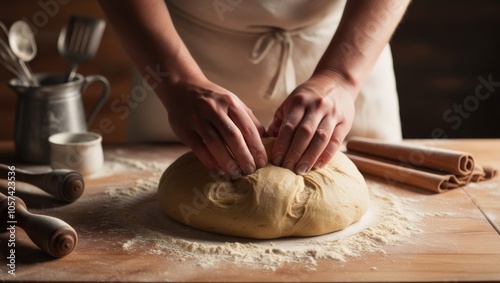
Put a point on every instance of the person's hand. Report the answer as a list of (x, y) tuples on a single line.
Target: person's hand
[(312, 123), (219, 128)]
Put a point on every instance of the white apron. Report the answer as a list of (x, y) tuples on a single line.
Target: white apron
[(261, 50)]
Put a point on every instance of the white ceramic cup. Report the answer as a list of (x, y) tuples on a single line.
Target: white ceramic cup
[(81, 152)]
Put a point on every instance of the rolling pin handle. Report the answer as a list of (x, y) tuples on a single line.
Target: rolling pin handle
[(51, 234), (65, 185)]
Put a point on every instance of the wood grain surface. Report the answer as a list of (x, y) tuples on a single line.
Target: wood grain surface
[(439, 50), (459, 240)]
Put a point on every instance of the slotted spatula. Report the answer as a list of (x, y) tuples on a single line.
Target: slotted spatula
[(79, 41)]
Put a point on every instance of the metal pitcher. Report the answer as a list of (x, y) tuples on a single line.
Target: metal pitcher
[(53, 107)]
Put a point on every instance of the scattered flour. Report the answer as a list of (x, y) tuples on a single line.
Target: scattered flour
[(389, 221), (148, 166), (114, 164)]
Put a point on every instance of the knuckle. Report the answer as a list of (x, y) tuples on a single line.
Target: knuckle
[(336, 142), (299, 98), (324, 103), (305, 130), (274, 127), (278, 114), (206, 104), (213, 101), (226, 100), (322, 135), (287, 126), (222, 102), (232, 132)]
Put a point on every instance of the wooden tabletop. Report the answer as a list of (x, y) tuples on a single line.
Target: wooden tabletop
[(461, 244)]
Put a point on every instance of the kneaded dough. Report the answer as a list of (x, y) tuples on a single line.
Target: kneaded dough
[(273, 202)]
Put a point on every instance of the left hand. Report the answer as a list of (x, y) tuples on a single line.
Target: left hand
[(312, 123)]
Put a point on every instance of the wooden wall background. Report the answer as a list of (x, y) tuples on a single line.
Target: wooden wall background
[(440, 50)]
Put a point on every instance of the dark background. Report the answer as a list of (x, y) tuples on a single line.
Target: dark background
[(440, 50)]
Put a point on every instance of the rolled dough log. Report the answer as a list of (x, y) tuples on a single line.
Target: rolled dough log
[(273, 202)]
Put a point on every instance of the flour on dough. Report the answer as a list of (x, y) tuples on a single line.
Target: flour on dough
[(273, 202)]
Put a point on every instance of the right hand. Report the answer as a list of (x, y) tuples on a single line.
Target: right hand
[(220, 129)]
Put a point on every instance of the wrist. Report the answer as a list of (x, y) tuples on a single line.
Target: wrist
[(333, 79), (177, 79), (182, 73)]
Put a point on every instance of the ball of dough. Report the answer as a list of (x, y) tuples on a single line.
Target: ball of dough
[(273, 202)]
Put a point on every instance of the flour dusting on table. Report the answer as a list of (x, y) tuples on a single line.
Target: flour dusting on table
[(389, 221)]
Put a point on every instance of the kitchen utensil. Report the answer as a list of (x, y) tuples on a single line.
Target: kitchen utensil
[(51, 234), (79, 41), (65, 185), (9, 60), (23, 45), (81, 152), (53, 107), (9, 65)]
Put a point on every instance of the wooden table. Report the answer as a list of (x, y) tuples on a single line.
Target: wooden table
[(464, 245)]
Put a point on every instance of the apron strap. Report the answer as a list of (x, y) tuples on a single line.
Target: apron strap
[(286, 70), (285, 38)]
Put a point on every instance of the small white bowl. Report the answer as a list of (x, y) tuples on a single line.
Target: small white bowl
[(80, 152)]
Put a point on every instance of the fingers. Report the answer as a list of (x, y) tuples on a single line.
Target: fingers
[(285, 136), (240, 134), (195, 142), (333, 145), (228, 146), (312, 143), (220, 129), (309, 132), (275, 125), (232, 137), (253, 132), (301, 140), (310, 139)]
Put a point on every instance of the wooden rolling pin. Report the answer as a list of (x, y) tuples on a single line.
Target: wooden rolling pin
[(51, 234), (65, 185)]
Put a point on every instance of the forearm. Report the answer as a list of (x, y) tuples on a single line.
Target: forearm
[(149, 37), (365, 29)]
